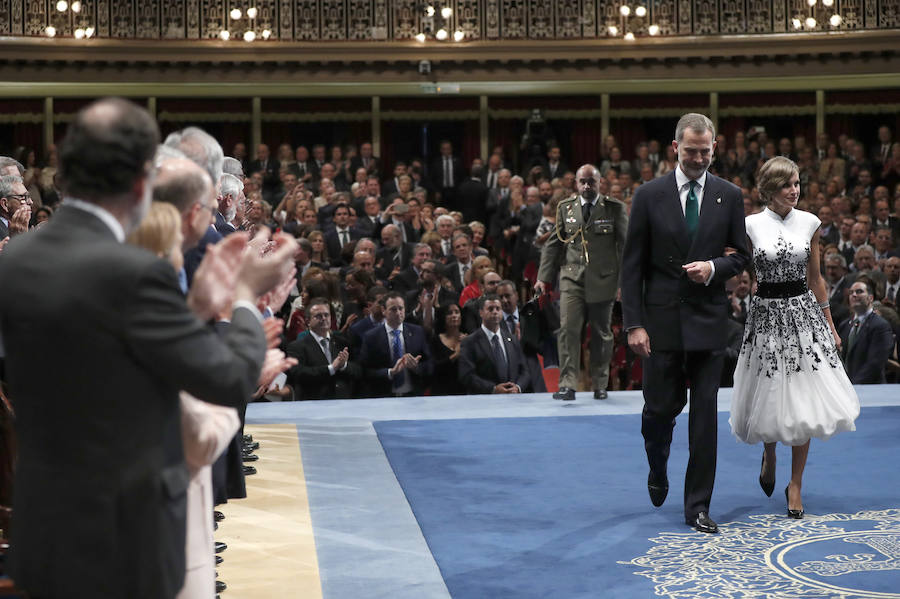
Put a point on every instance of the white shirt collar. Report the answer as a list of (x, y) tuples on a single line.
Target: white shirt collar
[(104, 215), (388, 328), (681, 179), (514, 314), (317, 337), (491, 334)]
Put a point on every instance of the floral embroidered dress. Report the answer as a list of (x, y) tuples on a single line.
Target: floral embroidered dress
[(789, 384)]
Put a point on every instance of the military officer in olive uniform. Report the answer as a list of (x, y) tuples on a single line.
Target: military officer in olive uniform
[(586, 251)]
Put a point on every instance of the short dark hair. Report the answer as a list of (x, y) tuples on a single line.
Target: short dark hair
[(109, 146), (373, 293), (317, 301), (391, 295), (487, 297), (340, 205)]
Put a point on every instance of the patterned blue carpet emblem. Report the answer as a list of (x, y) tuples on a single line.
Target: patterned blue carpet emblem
[(846, 555)]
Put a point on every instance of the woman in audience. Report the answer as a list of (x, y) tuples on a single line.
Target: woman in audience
[(445, 351), (667, 164), (832, 165), (319, 256), (160, 232), (480, 266)]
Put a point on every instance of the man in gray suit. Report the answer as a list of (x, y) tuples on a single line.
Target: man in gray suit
[(114, 323)]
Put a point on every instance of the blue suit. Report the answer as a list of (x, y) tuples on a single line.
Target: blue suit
[(376, 359)]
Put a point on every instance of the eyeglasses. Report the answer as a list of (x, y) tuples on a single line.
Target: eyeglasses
[(320, 315), (20, 197)]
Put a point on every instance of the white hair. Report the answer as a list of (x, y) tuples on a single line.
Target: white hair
[(164, 153), (201, 147), (232, 166), (230, 185)]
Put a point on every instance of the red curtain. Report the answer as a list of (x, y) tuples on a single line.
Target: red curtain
[(586, 140)]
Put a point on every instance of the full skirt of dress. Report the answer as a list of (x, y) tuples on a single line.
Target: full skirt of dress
[(790, 384)]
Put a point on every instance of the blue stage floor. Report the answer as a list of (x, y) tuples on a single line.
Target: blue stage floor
[(523, 496)]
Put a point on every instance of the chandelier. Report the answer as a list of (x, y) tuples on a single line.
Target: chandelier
[(246, 25), (437, 23), (67, 14), (626, 27), (825, 12)]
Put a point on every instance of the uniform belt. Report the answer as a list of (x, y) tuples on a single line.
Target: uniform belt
[(783, 289)]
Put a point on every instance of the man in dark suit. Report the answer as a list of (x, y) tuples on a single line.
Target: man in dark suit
[(554, 167), (460, 263), (472, 197), (829, 230), (408, 278), (128, 344), (866, 339), (14, 198), (363, 325), (369, 217), (395, 357), (394, 255), (324, 369), (429, 283), (269, 168), (673, 296), (341, 235), (366, 159), (512, 325), (446, 174), (491, 360)]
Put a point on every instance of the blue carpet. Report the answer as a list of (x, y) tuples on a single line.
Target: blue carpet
[(557, 507)]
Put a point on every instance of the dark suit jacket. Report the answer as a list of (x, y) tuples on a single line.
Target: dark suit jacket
[(4, 231), (405, 281), (271, 180), (873, 344), (111, 513), (222, 227), (194, 256), (451, 271), (561, 169), (310, 378), (437, 172), (386, 257), (678, 314), (357, 330), (374, 167), (333, 244), (375, 359), (478, 369), (472, 200)]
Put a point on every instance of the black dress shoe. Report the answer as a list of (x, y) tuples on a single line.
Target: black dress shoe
[(658, 487), (600, 394), (220, 546), (248, 470), (795, 514), (251, 445), (565, 393), (247, 438), (767, 485), (220, 586), (249, 457), (218, 516), (219, 559), (703, 523)]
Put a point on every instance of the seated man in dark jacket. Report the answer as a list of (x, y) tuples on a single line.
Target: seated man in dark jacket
[(395, 355), (866, 338), (324, 369), (491, 361)]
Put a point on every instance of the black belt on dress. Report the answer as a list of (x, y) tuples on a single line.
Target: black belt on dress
[(784, 289)]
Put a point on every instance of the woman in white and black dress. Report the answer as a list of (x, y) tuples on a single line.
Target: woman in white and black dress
[(789, 384)]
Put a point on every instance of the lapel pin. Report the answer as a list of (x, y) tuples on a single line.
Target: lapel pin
[(718, 200)]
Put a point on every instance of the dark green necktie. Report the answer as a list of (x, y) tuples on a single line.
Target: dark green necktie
[(692, 210)]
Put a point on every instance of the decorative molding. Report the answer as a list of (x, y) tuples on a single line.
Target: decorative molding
[(393, 20)]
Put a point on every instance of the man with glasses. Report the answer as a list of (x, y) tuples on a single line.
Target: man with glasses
[(866, 338), (429, 292), (586, 250), (324, 369), (15, 206)]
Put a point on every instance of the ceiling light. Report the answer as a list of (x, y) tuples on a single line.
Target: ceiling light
[(50, 31), (629, 37), (625, 10), (76, 6), (235, 14), (613, 30), (62, 5), (640, 11), (446, 12), (653, 29), (441, 34), (420, 37), (249, 35), (252, 12), (266, 33), (835, 20), (810, 22), (224, 34), (458, 35)]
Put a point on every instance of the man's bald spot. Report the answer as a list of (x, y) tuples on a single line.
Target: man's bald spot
[(587, 170), (181, 182)]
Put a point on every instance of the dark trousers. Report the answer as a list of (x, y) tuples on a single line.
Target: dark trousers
[(666, 379)]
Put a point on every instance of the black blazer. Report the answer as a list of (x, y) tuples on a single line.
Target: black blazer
[(437, 172), (271, 180), (125, 343), (872, 347), (406, 280), (333, 244), (478, 369), (678, 314), (472, 200), (356, 163), (310, 378), (376, 359)]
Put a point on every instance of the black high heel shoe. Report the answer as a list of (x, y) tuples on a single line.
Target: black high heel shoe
[(768, 486), (795, 514)]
